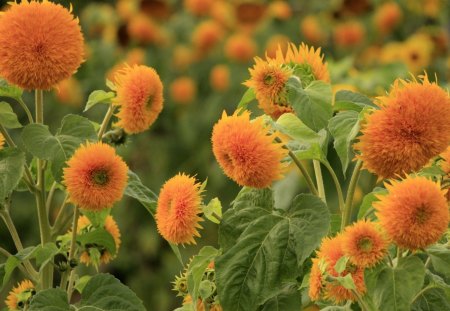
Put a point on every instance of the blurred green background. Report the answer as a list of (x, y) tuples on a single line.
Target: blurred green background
[(366, 43)]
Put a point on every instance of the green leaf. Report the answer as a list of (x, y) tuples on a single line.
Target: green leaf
[(7, 117), (368, 200), (105, 292), (12, 162), (432, 299), (80, 284), (13, 262), (270, 252), (98, 97), (395, 288), (347, 281), (12, 91), (110, 85), (348, 100), (136, 189), (341, 264), (97, 219), (197, 267), (246, 99), (206, 289), (45, 253), (213, 211), (99, 237), (52, 299), (311, 104), (288, 298), (440, 259)]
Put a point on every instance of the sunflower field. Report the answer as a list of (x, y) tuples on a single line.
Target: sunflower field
[(224, 155)]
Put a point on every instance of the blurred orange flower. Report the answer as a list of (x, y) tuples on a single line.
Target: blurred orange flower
[(198, 7), (144, 30), (183, 90), (280, 9), (240, 47), (349, 34), (387, 17), (220, 77), (206, 36), (313, 31)]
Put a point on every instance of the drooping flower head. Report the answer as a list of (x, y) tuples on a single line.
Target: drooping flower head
[(246, 151), (414, 213), (178, 209), (41, 44), (20, 295), (84, 225), (140, 98), (364, 243), (95, 176), (412, 126)]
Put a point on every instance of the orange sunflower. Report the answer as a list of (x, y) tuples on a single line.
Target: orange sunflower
[(42, 44), (412, 126), (20, 295), (95, 176), (364, 243), (139, 96), (178, 209), (414, 213), (2, 141), (111, 227), (246, 151), (315, 281), (240, 47), (183, 90), (206, 36), (219, 78), (387, 17)]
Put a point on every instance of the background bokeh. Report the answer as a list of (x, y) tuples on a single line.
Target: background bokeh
[(202, 50)]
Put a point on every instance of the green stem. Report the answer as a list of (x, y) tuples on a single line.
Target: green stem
[(305, 174), (104, 125), (57, 224), (27, 111), (51, 193), (338, 186), (44, 224), (73, 245), (348, 208), (319, 180)]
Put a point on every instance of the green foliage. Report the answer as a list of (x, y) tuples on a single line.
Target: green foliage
[(288, 298), (270, 250), (75, 130), (97, 218), (97, 237), (99, 97), (12, 162), (440, 259), (213, 211), (246, 99), (348, 100), (7, 116), (53, 299), (12, 91), (135, 189), (366, 209)]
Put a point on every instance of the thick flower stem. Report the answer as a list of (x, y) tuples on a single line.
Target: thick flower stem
[(27, 111), (337, 185), (44, 224), (348, 208), (104, 125), (319, 180), (305, 173)]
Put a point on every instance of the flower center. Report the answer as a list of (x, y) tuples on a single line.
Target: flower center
[(421, 215), (100, 177), (365, 244), (269, 79)]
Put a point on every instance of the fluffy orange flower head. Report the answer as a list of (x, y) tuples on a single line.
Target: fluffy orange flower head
[(414, 213), (220, 78), (84, 225), (2, 141), (364, 243), (41, 44), (387, 17), (144, 30), (183, 90), (139, 96), (206, 36), (280, 10), (331, 250), (246, 151), (313, 31), (178, 209), (95, 176), (412, 126), (20, 295), (240, 48), (315, 281)]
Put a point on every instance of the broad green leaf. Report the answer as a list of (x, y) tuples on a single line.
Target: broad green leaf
[(138, 191), (197, 268), (393, 289), (13, 262), (246, 99), (249, 204), (45, 253), (7, 117), (12, 162), (97, 219), (206, 289), (8, 90), (80, 284), (288, 298), (348, 100), (366, 207), (440, 259), (432, 299), (98, 97), (213, 211), (311, 104), (105, 292), (347, 281), (52, 299), (270, 252), (99, 237)]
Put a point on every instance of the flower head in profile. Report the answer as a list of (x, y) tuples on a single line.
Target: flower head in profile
[(20, 295), (412, 126), (178, 209), (315, 281), (139, 97), (414, 213), (42, 44), (246, 151), (364, 243), (84, 225), (95, 176)]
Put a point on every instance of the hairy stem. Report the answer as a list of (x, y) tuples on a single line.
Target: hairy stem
[(27, 111), (104, 125), (337, 185), (348, 208), (319, 180)]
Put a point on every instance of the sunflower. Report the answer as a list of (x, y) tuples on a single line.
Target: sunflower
[(84, 225), (364, 243), (315, 281), (412, 126), (220, 78), (20, 295), (178, 209), (246, 151), (349, 34), (206, 36), (143, 29), (183, 90), (414, 213), (417, 52), (2, 141), (312, 30), (41, 44), (280, 10), (95, 177), (240, 48), (387, 17), (139, 96)]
